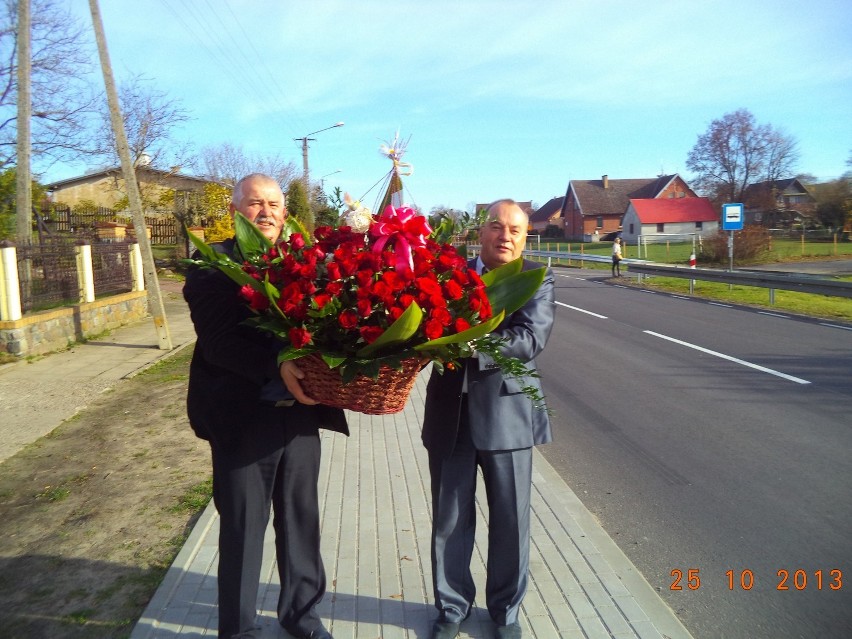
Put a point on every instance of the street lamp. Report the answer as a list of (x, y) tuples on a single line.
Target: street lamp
[(322, 179), (305, 141)]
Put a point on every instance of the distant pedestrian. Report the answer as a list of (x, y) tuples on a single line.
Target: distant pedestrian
[(263, 435), (616, 257)]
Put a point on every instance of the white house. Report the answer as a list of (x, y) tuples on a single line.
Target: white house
[(657, 218)]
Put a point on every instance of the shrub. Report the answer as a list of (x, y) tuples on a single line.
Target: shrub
[(750, 244)]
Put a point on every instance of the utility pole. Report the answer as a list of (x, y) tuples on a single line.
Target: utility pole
[(24, 185), (155, 299)]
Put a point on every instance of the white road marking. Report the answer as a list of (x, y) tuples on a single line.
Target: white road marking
[(720, 304), (845, 328), (763, 369), (574, 308), (773, 314)]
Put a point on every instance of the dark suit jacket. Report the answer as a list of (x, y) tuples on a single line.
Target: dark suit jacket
[(501, 416), (232, 362)]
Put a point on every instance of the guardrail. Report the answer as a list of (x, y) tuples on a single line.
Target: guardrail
[(772, 281)]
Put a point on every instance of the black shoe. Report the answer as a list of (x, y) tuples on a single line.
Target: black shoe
[(512, 631), (445, 630)]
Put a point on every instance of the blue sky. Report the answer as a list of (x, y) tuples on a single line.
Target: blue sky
[(500, 99)]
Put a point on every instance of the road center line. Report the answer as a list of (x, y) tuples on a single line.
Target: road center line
[(763, 369), (574, 308)]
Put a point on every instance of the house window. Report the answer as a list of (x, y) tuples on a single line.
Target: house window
[(699, 226), (599, 222), (631, 229), (661, 228)]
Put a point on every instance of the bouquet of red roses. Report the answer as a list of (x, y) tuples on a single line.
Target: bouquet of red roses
[(372, 300)]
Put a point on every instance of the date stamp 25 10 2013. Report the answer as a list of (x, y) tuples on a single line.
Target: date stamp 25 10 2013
[(690, 579)]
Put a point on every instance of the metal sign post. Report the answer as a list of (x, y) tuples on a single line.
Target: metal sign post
[(732, 220)]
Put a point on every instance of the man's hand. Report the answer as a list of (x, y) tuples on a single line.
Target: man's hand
[(291, 374)]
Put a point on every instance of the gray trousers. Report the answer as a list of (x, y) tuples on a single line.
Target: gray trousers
[(507, 475), (273, 465)]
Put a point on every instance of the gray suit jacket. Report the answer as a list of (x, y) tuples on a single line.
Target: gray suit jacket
[(501, 416)]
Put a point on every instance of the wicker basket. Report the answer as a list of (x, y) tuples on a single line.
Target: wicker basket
[(381, 396)]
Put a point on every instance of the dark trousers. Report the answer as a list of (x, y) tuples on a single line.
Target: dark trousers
[(275, 464), (507, 475)]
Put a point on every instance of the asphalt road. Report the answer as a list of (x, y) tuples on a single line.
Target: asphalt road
[(710, 439)]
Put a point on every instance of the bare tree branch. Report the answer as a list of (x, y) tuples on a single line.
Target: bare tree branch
[(735, 152), (61, 82)]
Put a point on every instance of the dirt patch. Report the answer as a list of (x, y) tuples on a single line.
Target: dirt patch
[(92, 515)]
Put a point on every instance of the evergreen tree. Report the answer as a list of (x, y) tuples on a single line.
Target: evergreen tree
[(298, 205)]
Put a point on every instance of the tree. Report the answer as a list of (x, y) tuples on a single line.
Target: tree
[(151, 119), (834, 202), (735, 152), (227, 163), (297, 204), (329, 209), (8, 206), (62, 94)]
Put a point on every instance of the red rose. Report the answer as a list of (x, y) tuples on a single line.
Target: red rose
[(333, 270), (453, 290), (348, 319), (257, 300), (442, 315), (334, 288), (461, 324), (322, 299), (297, 241), (364, 308), (433, 329), (299, 337), (371, 333)]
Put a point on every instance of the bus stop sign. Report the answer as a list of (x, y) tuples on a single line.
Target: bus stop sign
[(732, 217)]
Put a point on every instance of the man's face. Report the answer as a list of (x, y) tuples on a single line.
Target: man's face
[(262, 202), (503, 236)]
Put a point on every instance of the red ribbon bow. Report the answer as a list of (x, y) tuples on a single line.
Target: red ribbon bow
[(405, 228)]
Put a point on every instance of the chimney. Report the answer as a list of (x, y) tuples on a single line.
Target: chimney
[(605, 180)]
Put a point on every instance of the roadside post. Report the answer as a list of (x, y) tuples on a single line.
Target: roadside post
[(732, 220)]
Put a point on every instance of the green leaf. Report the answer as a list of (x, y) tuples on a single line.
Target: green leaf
[(398, 332), (333, 361), (250, 240), (468, 335), (501, 272), (206, 251), (290, 353), (293, 225), (510, 293), (236, 273)]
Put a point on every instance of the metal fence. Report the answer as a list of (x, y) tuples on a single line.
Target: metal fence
[(49, 278), (48, 275), (111, 268)]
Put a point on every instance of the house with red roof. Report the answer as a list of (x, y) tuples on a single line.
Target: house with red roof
[(593, 209), (656, 219)]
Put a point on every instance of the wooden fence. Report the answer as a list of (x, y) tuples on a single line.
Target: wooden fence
[(164, 228)]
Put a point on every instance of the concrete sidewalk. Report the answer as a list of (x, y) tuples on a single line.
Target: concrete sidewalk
[(375, 517)]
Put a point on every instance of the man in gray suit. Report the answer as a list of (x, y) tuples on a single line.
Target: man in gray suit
[(475, 416)]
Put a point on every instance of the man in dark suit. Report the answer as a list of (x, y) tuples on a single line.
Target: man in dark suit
[(264, 440), (477, 417)]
